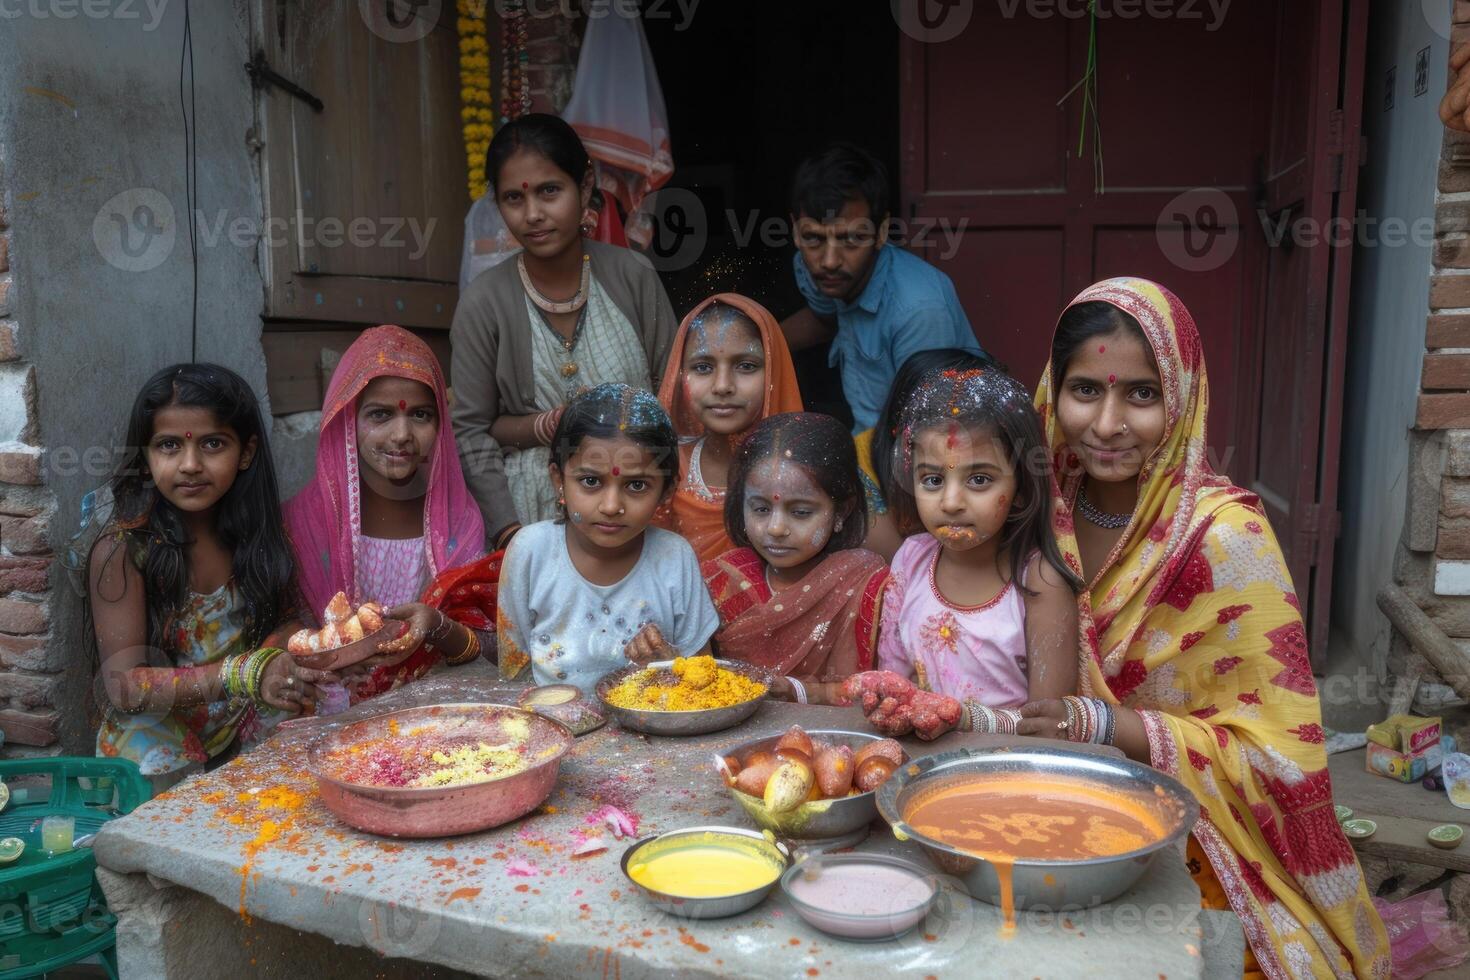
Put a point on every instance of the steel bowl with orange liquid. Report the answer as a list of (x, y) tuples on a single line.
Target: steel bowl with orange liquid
[(1038, 827)]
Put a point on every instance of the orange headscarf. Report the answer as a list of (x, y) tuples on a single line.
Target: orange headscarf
[(698, 517), (1193, 623)]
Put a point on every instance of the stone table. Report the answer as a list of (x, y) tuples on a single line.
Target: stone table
[(246, 864)]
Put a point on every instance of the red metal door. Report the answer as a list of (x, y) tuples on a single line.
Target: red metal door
[(1188, 146)]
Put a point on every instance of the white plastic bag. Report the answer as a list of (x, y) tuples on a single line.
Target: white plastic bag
[(487, 241), (617, 107)]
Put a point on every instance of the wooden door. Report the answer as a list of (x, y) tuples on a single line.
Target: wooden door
[(383, 161), (1310, 189), (1190, 148)]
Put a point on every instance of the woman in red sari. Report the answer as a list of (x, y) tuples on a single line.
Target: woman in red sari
[(797, 595)]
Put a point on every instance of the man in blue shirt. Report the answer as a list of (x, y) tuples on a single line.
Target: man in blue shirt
[(881, 302)]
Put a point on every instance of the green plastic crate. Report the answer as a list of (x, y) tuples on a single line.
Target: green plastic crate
[(52, 911)]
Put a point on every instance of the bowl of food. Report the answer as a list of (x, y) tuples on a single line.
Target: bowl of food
[(705, 872), (1047, 827), (440, 770), (810, 785), (685, 696), (347, 637), (860, 897)]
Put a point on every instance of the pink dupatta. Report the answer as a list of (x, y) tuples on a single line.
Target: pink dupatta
[(325, 518)]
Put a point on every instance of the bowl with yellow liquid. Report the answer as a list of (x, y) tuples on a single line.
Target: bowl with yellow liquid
[(705, 872), (1038, 827)]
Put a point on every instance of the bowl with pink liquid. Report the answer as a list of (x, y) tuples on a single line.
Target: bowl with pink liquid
[(860, 897)]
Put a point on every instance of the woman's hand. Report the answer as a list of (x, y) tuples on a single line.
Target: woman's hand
[(1044, 719), (288, 686), (421, 619), (648, 645)]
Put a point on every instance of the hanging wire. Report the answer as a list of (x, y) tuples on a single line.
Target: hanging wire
[(191, 172)]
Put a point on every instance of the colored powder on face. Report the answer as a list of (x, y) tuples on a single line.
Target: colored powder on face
[(859, 889), (707, 866)]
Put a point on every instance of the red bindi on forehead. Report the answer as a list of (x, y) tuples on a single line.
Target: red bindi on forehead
[(617, 471), (525, 185), (402, 405), (188, 435), (1102, 348)]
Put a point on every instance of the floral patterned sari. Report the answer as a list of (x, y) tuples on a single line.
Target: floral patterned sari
[(1194, 623)]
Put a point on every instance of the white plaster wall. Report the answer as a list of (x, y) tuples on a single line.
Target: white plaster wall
[(89, 110), (1390, 303)]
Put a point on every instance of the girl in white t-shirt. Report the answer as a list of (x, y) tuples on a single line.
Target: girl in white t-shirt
[(597, 587)]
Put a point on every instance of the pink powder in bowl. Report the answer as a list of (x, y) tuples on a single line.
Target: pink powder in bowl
[(867, 897)]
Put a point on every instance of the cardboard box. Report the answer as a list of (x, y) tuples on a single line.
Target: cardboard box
[(1404, 747)]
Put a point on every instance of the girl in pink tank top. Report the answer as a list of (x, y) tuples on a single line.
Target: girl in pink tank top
[(980, 610)]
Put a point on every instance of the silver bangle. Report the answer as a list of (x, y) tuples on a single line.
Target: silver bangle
[(799, 689)]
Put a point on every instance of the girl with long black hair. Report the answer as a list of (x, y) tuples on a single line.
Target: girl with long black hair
[(190, 579)]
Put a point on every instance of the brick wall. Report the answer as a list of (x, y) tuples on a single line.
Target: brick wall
[(30, 664)]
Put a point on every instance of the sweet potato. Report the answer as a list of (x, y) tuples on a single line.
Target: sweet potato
[(872, 772), (752, 778), (795, 738), (834, 766), (884, 748)]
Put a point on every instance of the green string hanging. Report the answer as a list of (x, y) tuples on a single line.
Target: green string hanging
[(1088, 85)]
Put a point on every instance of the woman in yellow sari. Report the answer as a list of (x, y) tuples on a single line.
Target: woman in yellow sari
[(1194, 656)]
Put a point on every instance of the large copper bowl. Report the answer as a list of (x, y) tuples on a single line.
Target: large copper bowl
[(449, 810)]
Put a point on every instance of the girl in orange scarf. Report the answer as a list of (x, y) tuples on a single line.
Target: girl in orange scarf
[(728, 369), (1193, 643)]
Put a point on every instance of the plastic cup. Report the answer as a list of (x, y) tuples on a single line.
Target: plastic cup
[(1457, 779), (57, 834)]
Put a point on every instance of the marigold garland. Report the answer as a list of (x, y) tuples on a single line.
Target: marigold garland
[(476, 110)]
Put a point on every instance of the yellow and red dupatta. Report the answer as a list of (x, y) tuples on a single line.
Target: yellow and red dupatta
[(1194, 623)]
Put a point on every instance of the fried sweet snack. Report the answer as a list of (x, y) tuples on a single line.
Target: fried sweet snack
[(341, 626)]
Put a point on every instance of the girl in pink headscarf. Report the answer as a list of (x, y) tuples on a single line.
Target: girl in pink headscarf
[(388, 517)]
